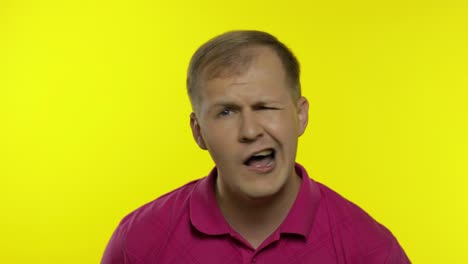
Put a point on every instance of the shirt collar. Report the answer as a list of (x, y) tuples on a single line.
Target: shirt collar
[(206, 216), (302, 214)]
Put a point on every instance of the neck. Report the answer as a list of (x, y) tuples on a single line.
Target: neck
[(257, 218)]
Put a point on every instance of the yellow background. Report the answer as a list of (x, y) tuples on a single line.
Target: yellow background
[(94, 117)]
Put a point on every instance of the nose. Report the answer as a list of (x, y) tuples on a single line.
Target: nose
[(250, 129)]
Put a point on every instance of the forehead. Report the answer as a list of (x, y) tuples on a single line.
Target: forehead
[(231, 63), (264, 76)]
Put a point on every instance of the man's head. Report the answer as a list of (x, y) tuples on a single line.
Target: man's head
[(248, 113), (231, 53)]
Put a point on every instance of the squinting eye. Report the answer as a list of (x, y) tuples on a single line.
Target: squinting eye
[(267, 108)]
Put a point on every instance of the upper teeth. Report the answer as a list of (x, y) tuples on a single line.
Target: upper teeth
[(264, 153)]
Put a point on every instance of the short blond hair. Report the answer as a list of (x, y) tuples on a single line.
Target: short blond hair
[(230, 53)]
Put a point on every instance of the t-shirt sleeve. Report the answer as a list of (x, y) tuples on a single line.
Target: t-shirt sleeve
[(114, 252), (397, 255)]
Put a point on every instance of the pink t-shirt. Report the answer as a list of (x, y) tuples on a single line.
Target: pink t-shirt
[(186, 226)]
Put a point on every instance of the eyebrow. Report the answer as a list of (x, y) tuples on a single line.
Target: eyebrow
[(223, 105), (228, 104), (263, 103)]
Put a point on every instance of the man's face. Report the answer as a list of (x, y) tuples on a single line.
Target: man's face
[(250, 125)]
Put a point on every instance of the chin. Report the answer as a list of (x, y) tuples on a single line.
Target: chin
[(262, 193)]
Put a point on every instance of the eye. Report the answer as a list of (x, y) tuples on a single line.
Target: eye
[(263, 107), (226, 112)]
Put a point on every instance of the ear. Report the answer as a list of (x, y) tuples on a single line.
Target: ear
[(196, 131), (302, 114)]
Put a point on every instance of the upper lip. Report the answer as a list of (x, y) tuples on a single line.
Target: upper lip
[(255, 152)]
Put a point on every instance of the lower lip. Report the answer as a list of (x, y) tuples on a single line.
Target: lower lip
[(263, 169)]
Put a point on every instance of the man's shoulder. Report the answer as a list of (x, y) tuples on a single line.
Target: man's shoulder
[(339, 206), (344, 213), (146, 230), (360, 234), (167, 205), (157, 216)]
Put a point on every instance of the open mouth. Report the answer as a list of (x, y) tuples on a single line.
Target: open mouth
[(261, 159)]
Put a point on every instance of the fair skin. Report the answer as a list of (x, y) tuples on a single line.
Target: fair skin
[(245, 115)]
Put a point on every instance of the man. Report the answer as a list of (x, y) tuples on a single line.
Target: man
[(257, 205)]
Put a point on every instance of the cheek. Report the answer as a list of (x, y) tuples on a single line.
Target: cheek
[(282, 125), (218, 138)]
